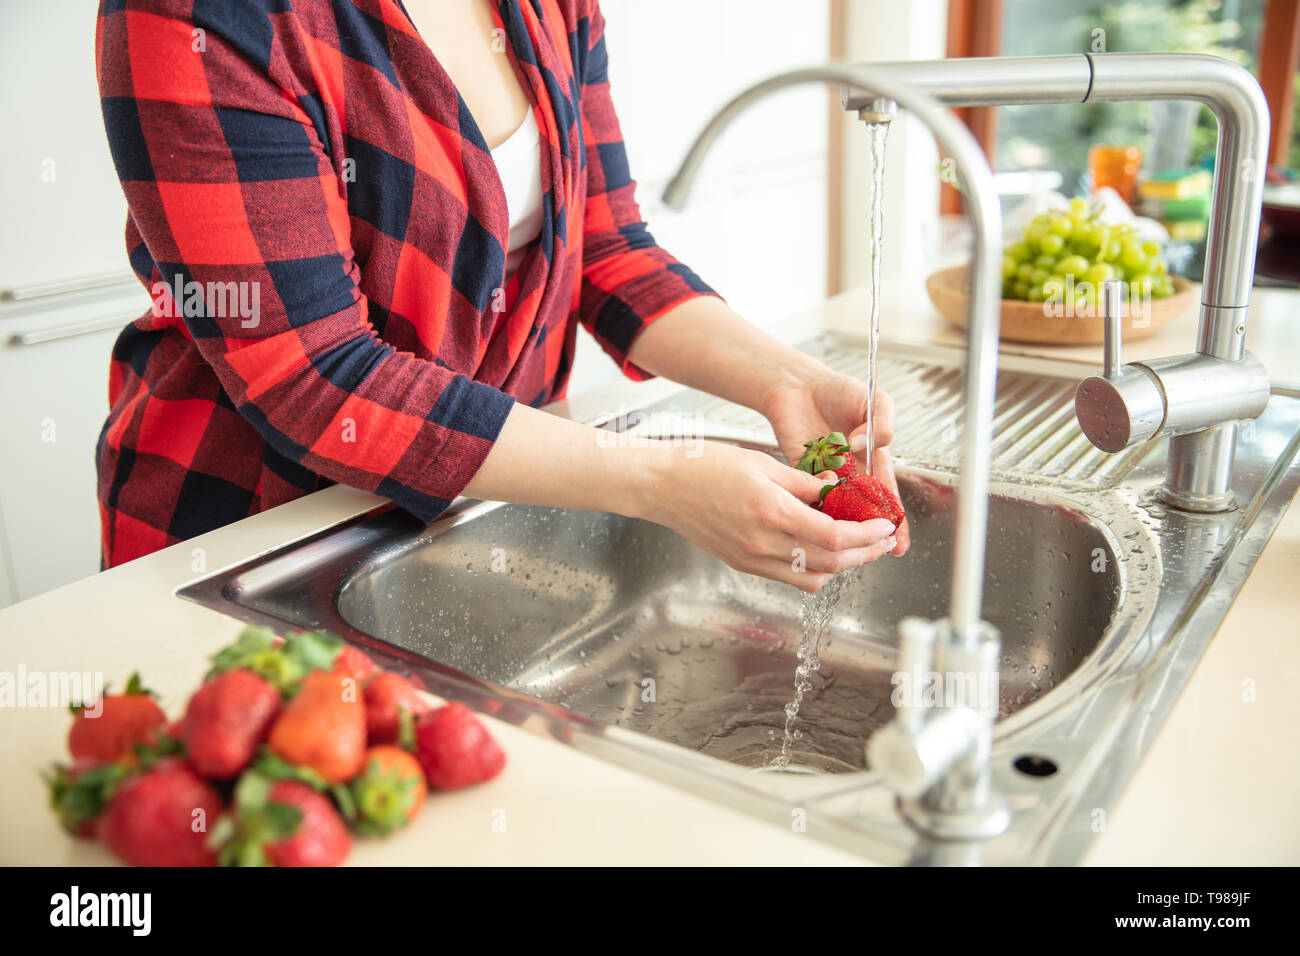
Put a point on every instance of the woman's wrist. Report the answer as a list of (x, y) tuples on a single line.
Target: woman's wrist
[(639, 478)]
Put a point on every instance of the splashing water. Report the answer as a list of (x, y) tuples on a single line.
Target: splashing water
[(878, 133), (815, 614)]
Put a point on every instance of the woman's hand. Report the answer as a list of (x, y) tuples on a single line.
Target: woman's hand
[(816, 402), (743, 506), (753, 512)]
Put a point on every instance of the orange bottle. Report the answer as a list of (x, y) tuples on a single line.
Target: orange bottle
[(1117, 167)]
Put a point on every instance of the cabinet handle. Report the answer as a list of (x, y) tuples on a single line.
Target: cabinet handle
[(73, 329), (90, 283)]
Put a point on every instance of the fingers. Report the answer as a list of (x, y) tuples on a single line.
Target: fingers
[(821, 561), (810, 582), (812, 527), (882, 425), (831, 545), (805, 487), (884, 419), (811, 567), (884, 470)]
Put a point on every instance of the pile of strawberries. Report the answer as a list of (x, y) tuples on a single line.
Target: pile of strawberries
[(288, 748), (855, 497)]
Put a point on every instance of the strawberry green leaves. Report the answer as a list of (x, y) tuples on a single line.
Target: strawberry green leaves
[(829, 453), (254, 820), (281, 663)]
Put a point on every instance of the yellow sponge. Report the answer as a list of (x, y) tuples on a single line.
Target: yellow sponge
[(1176, 186), (1186, 231)]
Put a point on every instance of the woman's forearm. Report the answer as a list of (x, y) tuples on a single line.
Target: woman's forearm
[(704, 344), (542, 459), (739, 504)]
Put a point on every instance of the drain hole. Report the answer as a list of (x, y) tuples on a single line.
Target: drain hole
[(1035, 766)]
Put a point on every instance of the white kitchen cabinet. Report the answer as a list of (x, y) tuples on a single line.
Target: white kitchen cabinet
[(64, 217), (54, 373)]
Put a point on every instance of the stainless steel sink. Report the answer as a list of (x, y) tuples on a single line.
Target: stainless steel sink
[(624, 640), (579, 609)]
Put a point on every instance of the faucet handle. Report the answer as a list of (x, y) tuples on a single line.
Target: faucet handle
[(1124, 405), (1112, 315)]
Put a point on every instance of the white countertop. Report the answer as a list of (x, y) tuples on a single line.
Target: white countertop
[(1219, 785)]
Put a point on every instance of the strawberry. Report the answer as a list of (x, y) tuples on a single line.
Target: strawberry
[(79, 792), (861, 498), (109, 731), (227, 719), (389, 792), (355, 663), (319, 839), (830, 453), (323, 727), (388, 696), (281, 823), (160, 817), (455, 749)]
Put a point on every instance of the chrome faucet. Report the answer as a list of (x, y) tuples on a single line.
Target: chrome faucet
[(935, 755), (1197, 399)]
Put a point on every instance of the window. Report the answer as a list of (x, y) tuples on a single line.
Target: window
[(1171, 134)]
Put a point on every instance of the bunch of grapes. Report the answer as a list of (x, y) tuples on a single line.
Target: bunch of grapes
[(1066, 255)]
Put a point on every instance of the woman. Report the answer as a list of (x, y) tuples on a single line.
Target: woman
[(371, 231)]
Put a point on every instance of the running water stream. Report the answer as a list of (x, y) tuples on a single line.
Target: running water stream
[(815, 614), (816, 610), (878, 133)]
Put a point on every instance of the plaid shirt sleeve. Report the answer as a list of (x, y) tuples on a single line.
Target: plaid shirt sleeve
[(628, 281), (228, 182)]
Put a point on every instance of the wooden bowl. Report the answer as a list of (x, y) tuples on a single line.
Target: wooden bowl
[(1032, 322)]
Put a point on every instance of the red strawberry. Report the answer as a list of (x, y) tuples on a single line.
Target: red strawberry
[(227, 719), (161, 817), (455, 749), (389, 792), (323, 727), (387, 695), (355, 663), (861, 498), (830, 453), (319, 838), (281, 823), (110, 729)]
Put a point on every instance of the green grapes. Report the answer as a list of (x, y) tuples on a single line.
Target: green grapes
[(1066, 254), (1052, 244)]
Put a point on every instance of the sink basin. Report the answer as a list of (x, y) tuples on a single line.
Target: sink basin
[(621, 639), (588, 610)]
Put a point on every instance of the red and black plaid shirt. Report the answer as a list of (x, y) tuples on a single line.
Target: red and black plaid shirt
[(322, 228)]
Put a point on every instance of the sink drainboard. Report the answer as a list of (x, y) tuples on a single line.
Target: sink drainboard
[(1037, 437)]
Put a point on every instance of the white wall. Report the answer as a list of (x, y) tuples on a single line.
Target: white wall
[(884, 30), (756, 226)]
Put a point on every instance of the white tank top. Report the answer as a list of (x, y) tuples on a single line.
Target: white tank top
[(519, 162)]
